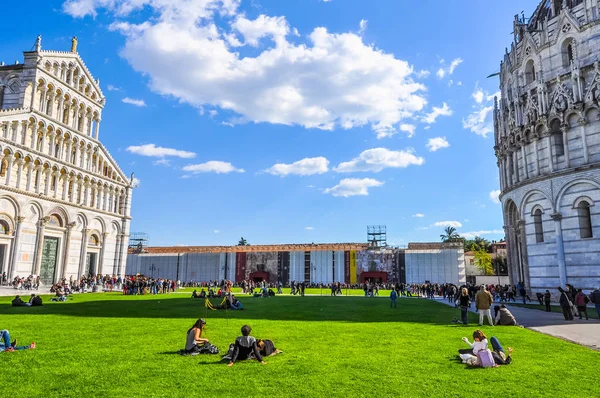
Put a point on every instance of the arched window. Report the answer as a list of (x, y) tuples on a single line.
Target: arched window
[(557, 138), (539, 228), (585, 219), (567, 53), (529, 72), (4, 228), (55, 221), (94, 241)]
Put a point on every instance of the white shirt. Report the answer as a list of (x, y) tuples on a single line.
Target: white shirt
[(478, 345)]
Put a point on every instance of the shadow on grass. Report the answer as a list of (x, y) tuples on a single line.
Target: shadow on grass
[(282, 308)]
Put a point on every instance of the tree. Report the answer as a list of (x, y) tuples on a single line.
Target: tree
[(483, 260), (477, 242), (500, 265), (243, 242), (450, 235)]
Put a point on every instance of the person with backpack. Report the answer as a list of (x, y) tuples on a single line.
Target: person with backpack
[(479, 354), (581, 301), (595, 298), (565, 304), (393, 299)]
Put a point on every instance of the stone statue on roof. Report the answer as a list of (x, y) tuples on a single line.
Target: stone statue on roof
[(74, 44)]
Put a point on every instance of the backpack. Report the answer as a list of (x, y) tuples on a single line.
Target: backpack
[(486, 360), (208, 348)]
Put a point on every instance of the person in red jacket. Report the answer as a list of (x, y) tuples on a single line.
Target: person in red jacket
[(581, 301)]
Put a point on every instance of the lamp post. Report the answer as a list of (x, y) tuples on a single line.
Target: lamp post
[(152, 269)]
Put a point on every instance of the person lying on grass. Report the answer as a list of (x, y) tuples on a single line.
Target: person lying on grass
[(478, 355), (194, 339), (244, 347), (267, 348), (8, 346)]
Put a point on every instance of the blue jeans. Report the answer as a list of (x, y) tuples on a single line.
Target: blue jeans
[(463, 314), (4, 335), (496, 344), (598, 309), (392, 303)]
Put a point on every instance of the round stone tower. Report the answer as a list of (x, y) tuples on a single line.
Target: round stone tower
[(547, 142)]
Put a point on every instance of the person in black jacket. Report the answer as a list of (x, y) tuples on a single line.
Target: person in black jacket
[(245, 345), (565, 304), (464, 302)]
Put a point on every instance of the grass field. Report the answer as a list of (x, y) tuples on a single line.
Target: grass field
[(108, 345)]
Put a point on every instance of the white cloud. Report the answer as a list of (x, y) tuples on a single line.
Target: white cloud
[(263, 26), (481, 120), (135, 182), (418, 215), (377, 159), (409, 128), (494, 196), (216, 231), (304, 167), (308, 228), (446, 71), (437, 143), (162, 162), (213, 166), (426, 128), (422, 74), (454, 224), (473, 234), (324, 80), (133, 101), (110, 87), (353, 187), (158, 151), (363, 26), (436, 112)]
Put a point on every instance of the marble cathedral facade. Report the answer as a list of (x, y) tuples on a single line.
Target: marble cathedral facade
[(547, 142), (64, 201)]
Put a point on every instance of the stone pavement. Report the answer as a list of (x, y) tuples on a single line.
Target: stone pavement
[(586, 333)]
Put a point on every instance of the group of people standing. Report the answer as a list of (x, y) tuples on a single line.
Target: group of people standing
[(573, 302)]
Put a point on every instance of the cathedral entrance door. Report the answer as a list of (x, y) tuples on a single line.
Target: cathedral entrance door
[(49, 259), (90, 264)]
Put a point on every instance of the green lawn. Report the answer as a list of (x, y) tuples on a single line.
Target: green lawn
[(108, 345), (311, 291)]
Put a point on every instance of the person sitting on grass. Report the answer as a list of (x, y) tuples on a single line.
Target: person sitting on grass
[(18, 302), (202, 293), (505, 317), (194, 339), (499, 354), (267, 348), (479, 354), (35, 301), (245, 346), (195, 294), (8, 346)]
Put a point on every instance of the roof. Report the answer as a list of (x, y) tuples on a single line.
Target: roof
[(435, 245), (252, 248)]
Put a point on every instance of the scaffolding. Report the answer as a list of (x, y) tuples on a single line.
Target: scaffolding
[(138, 242), (377, 235)]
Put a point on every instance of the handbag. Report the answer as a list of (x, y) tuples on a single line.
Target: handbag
[(486, 360)]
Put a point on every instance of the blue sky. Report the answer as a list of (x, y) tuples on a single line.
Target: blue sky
[(292, 121)]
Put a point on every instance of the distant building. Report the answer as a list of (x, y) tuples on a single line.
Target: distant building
[(547, 143), (475, 274), (312, 263), (64, 201)]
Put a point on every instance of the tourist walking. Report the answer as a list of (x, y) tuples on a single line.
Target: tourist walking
[(565, 305), (464, 301), (393, 298), (483, 302), (595, 298), (581, 301), (547, 298)]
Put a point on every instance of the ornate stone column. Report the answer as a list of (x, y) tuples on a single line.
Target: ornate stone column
[(52, 141), (14, 256), (47, 185), (102, 251), (550, 154), (85, 193), (97, 132), (65, 187), (560, 249), (564, 128), (524, 156), (14, 128), (24, 124), (83, 256), (29, 174), (20, 163), (515, 166), (582, 122), (536, 159), (9, 170), (37, 262), (66, 248)]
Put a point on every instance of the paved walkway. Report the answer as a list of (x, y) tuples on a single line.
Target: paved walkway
[(582, 332)]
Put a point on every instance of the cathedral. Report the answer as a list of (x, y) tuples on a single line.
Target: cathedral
[(64, 201), (547, 143)]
